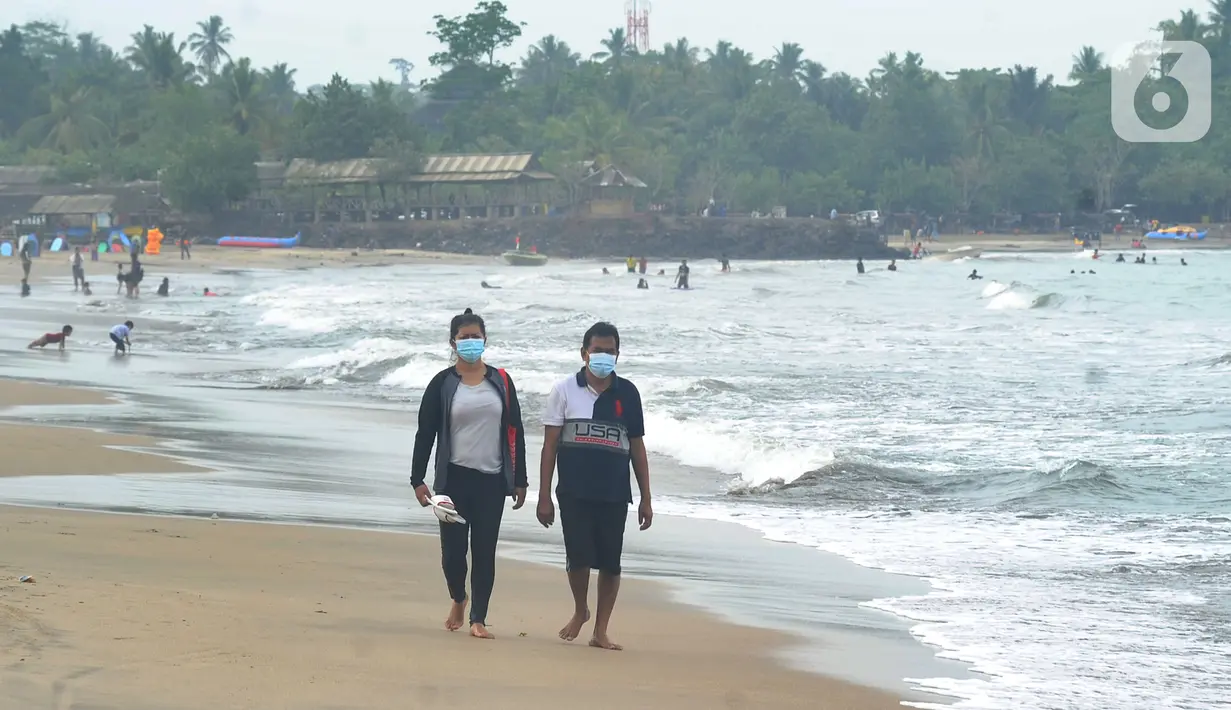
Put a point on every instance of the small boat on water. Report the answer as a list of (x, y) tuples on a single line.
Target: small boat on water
[(524, 258)]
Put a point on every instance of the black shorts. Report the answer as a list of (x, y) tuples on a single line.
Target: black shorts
[(119, 342), (593, 533)]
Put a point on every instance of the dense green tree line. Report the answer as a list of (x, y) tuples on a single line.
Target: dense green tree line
[(693, 123)]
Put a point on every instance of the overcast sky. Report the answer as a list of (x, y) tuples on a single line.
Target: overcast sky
[(357, 38)]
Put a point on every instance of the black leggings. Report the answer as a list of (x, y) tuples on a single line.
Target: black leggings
[(479, 498)]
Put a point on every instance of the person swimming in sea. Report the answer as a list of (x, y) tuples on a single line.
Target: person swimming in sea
[(1182, 262), (52, 339), (208, 292), (726, 264), (662, 272), (974, 275), (484, 284), (893, 265), (1120, 257), (164, 288), (859, 265), (642, 283), (631, 264), (605, 271), (1155, 258)]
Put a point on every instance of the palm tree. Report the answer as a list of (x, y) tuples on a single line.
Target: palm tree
[(1087, 64), (209, 43), (278, 82), (787, 64), (245, 100), (159, 58), (1028, 97), (615, 48), (733, 69), (680, 56), (547, 61), (1189, 28), (70, 125)]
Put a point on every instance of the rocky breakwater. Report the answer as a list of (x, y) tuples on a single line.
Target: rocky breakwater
[(649, 235)]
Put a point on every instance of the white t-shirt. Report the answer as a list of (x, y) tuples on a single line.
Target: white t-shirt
[(121, 331), (568, 401)]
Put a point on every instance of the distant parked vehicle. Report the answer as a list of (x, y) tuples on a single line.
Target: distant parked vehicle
[(867, 218)]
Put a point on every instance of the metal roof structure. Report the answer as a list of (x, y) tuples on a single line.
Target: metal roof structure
[(610, 176), (73, 204), (475, 168)]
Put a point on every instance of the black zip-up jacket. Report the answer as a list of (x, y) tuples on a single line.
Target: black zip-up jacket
[(434, 416)]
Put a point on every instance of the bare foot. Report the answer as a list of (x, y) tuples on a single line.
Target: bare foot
[(480, 631), (572, 629), (457, 615), (601, 641)]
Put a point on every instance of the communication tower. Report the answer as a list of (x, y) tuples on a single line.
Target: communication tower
[(638, 30)]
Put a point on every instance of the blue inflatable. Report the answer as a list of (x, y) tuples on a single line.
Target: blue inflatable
[(6, 249), (122, 238)]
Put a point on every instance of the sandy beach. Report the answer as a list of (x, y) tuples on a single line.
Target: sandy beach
[(205, 259), (148, 613)]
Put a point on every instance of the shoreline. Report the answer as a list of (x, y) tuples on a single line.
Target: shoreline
[(777, 650), (214, 259)]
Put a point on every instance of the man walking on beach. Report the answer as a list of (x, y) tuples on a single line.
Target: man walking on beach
[(78, 269), (593, 429)]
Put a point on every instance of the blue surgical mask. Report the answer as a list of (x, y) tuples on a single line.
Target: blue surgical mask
[(470, 349), (602, 364)]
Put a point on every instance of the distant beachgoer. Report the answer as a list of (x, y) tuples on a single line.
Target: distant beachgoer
[(593, 430), (27, 251), (78, 263), (52, 338), (1155, 259), (974, 275), (893, 265), (484, 284), (1091, 271), (121, 279), (1120, 257), (859, 265), (681, 276), (185, 249), (119, 336), (662, 272), (726, 264), (208, 292), (643, 265), (642, 283), (1073, 271), (1182, 262), (471, 414), (605, 271), (85, 289), (164, 288), (631, 264)]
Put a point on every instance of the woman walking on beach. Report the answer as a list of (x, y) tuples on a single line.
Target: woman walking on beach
[(471, 413)]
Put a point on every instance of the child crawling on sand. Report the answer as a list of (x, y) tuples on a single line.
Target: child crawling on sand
[(52, 338)]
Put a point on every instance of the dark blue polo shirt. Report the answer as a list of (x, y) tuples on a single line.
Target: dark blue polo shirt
[(594, 459)]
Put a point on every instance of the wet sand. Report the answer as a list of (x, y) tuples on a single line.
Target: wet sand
[(210, 259), (145, 613)]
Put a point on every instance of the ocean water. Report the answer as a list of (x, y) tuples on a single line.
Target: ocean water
[(1049, 449)]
